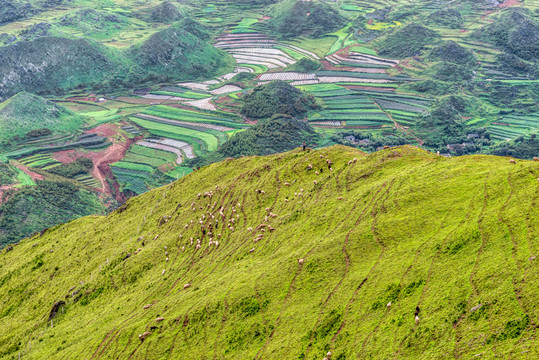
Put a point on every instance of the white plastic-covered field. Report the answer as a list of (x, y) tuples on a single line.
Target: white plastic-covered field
[(374, 59), (226, 89), (326, 123), (259, 60), (162, 147), (259, 49), (204, 104), (184, 123), (185, 147), (287, 76), (304, 82), (360, 59)]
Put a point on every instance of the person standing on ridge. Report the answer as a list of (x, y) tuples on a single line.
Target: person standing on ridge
[(304, 146)]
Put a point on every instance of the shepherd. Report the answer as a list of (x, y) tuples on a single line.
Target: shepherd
[(304, 146)]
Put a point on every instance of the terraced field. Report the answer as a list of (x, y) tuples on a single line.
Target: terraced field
[(260, 52), (512, 126)]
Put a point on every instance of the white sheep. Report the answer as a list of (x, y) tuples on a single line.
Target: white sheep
[(300, 261), (388, 306), (163, 273), (417, 320), (187, 286)]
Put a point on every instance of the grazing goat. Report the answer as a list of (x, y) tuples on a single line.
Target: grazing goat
[(252, 250), (388, 305), (159, 319), (300, 261), (187, 286), (328, 354), (144, 335), (416, 320), (535, 158), (512, 161), (164, 271), (146, 307)]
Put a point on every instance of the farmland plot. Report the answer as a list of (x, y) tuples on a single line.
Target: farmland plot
[(185, 147), (162, 147), (226, 89), (201, 140), (259, 49), (204, 104), (202, 126)]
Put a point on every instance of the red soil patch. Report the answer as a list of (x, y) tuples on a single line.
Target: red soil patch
[(223, 100), (33, 175), (3, 196), (463, 31), (500, 123), (102, 159), (508, 3), (265, 18)]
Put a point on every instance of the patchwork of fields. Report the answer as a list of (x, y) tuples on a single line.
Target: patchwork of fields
[(157, 131)]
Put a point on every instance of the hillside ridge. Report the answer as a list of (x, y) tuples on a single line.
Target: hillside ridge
[(304, 252)]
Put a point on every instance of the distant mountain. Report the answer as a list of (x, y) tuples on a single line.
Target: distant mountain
[(56, 65)]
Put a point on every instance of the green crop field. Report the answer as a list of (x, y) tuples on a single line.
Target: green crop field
[(210, 142)]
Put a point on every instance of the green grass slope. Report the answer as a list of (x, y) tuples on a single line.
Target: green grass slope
[(454, 237), (25, 112)]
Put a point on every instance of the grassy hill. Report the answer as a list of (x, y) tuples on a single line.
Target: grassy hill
[(25, 112), (456, 238), (58, 64)]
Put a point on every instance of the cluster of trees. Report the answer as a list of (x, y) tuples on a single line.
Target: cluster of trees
[(522, 147), (277, 97), (368, 141), (6, 174), (270, 136), (291, 18), (49, 203)]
